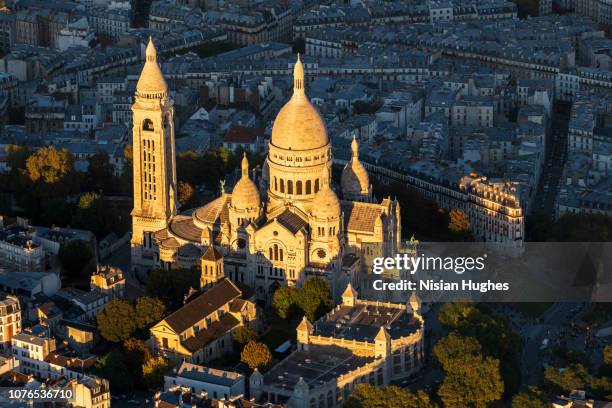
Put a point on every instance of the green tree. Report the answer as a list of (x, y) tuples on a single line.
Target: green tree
[(153, 371), (369, 396), (315, 298), (256, 355), (453, 315), (136, 353), (527, 400), (243, 334), (455, 349), (101, 174), (607, 355), (93, 215), (171, 286), (112, 367), (475, 383), (76, 258), (148, 310), (471, 379), (17, 156), (601, 388), (126, 180), (285, 301), (117, 321), (563, 380)]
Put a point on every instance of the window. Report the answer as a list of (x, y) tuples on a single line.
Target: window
[(289, 187), (308, 187), (282, 185), (316, 186), (147, 124), (298, 188)]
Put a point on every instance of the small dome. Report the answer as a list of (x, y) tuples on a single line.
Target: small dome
[(326, 201), (354, 179), (151, 81), (245, 194), (298, 125)]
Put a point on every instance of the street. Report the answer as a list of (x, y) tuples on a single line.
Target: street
[(556, 154)]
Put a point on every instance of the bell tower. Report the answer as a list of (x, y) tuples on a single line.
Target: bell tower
[(153, 160)]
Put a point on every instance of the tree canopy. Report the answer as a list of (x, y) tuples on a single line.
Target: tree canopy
[(49, 165), (153, 370), (285, 302), (369, 396), (471, 379), (116, 321), (256, 355), (563, 380), (314, 298), (172, 286), (120, 320), (112, 367)]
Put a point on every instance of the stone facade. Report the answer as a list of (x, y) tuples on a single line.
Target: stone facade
[(289, 226), (359, 341), (154, 161)]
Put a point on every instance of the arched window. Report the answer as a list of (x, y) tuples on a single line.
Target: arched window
[(321, 401), (316, 190), (280, 253), (275, 252), (289, 187), (308, 187), (271, 257), (275, 184), (147, 124), (282, 185), (298, 188)]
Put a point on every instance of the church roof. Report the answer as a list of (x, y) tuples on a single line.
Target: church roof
[(151, 79), (170, 243), (361, 217), (190, 251), (245, 194), (298, 125), (354, 177), (292, 221), (202, 306), (183, 227), (213, 211), (212, 254), (215, 330)]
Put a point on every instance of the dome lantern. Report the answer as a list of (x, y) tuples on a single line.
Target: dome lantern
[(151, 84), (355, 181), (298, 125)]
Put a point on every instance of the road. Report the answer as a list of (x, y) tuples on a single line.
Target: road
[(556, 154), (549, 326)]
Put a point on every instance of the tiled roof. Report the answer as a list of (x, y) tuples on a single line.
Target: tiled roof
[(291, 221), (183, 227), (212, 211), (361, 216), (202, 306), (212, 332), (212, 254)]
